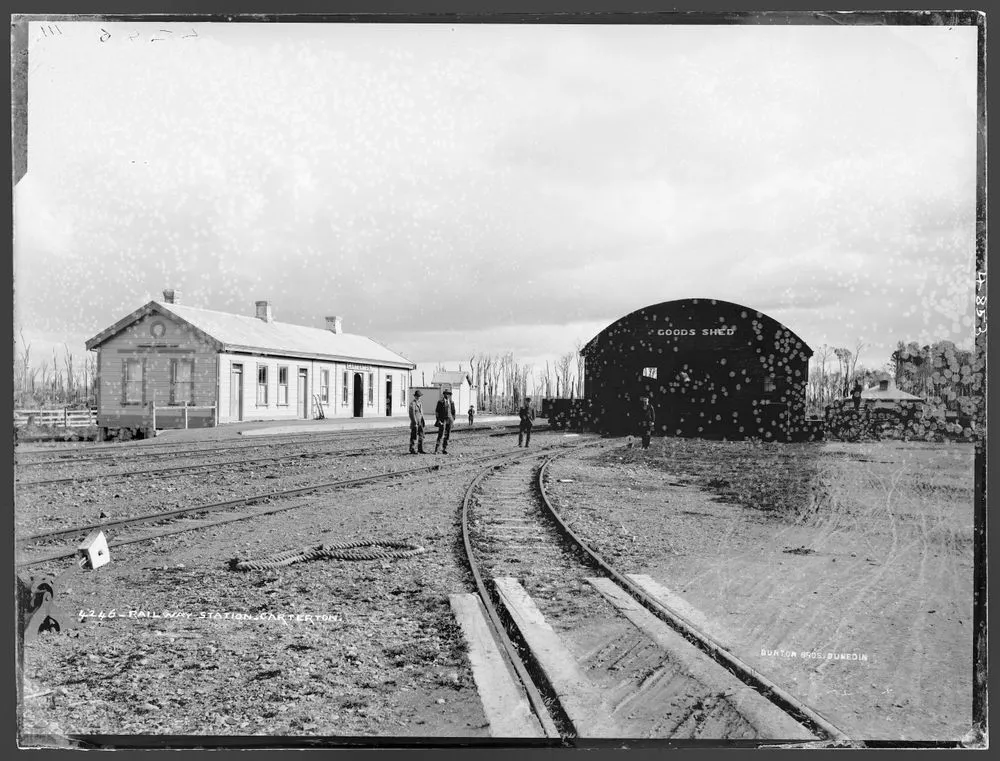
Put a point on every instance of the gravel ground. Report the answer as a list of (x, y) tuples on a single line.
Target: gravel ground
[(381, 656), (52, 506), (863, 550)]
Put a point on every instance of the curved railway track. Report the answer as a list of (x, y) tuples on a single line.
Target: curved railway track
[(600, 655)]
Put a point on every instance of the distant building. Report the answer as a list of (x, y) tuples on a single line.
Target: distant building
[(885, 392), (228, 368), (463, 392)]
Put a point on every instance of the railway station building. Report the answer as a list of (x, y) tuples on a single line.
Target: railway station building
[(168, 365), (710, 368)]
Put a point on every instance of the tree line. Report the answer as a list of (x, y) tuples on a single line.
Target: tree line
[(943, 375), (60, 382), (503, 383)]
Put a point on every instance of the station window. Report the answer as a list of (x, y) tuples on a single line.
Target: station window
[(132, 372), (344, 397), (324, 386), (402, 390), (769, 384), (182, 381), (261, 385), (649, 372), (283, 386), (371, 389)]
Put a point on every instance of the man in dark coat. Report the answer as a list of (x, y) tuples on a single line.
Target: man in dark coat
[(647, 420), (472, 413), (527, 416), (416, 424), (445, 414)]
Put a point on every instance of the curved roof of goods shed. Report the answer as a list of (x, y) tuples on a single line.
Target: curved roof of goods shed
[(685, 309)]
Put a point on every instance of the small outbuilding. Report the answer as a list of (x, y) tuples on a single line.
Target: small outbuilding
[(168, 365), (463, 393), (885, 393)]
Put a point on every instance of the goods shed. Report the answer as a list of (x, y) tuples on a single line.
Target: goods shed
[(711, 369), (168, 365)]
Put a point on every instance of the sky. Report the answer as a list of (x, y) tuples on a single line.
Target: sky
[(451, 190)]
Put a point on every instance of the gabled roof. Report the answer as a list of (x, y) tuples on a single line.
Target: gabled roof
[(239, 333), (453, 377)]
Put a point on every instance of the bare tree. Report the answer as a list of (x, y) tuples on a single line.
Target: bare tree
[(580, 367), (68, 361), (844, 365), (564, 367), (854, 361)]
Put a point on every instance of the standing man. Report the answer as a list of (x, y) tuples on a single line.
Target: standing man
[(647, 420), (472, 413), (445, 414), (527, 415), (416, 424)]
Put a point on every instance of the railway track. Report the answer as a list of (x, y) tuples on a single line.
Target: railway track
[(598, 654), (114, 452), (169, 471), (196, 517)]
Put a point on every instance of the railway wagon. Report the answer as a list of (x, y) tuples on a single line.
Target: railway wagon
[(168, 365), (711, 369)]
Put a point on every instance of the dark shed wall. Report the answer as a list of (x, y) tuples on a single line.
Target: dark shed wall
[(711, 368)]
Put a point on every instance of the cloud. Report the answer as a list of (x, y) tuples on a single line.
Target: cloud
[(493, 179)]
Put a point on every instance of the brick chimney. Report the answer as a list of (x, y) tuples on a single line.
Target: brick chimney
[(334, 325), (171, 296), (264, 311)]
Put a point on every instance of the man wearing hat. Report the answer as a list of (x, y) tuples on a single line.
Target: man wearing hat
[(416, 424), (527, 416), (445, 416)]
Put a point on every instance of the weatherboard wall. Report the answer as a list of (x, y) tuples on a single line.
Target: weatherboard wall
[(336, 405), (154, 340)]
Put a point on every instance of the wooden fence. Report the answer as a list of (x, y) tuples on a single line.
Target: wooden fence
[(64, 418), (181, 413)]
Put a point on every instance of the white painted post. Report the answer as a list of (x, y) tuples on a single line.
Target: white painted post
[(152, 406), (65, 417), (185, 416)]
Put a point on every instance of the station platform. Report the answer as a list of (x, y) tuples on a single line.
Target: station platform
[(305, 427)]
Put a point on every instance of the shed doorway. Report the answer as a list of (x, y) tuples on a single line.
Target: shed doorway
[(388, 396), (359, 395)]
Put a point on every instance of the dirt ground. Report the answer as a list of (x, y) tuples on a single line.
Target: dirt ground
[(841, 571), (365, 649), (855, 549)]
